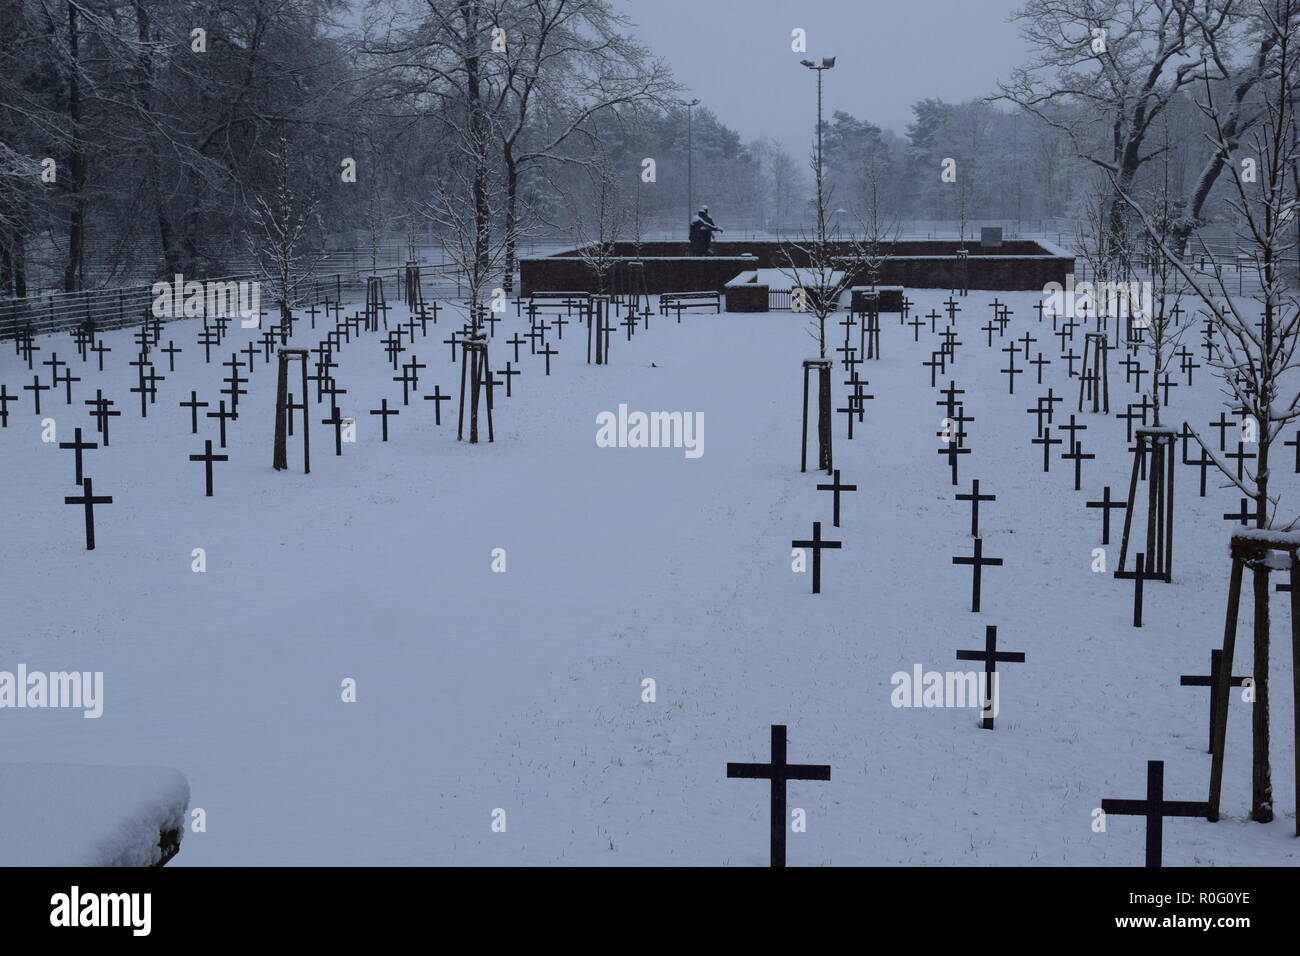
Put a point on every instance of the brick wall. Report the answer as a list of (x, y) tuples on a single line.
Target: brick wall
[(928, 264)]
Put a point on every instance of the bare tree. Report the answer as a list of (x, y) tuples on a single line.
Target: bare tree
[(816, 266), (467, 199), (565, 62), (880, 229), (1256, 346), (1124, 62), (284, 239), (1160, 313), (596, 233)]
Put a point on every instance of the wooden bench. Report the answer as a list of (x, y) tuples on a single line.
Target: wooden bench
[(539, 301), (682, 301)]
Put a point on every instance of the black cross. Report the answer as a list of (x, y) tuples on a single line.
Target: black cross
[(337, 421), (1244, 516), (1106, 506), (849, 412), (194, 405), (36, 388), (1155, 808), (88, 499), (1138, 575), (1039, 411), (268, 343), (146, 389), (384, 411), (937, 363), (221, 415), (816, 544), (516, 341), (975, 498), (1072, 428), (1129, 416), (5, 399), (78, 446), (438, 398), (99, 348), (952, 450), (170, 351), (1011, 371), (66, 381), (779, 772), (409, 379), (836, 488), (990, 656), (548, 352), (1293, 443), (208, 338), (1166, 384), (1223, 424), (54, 364), (1038, 364), (978, 563), (101, 414), (509, 372), (1051, 399), (1240, 455), (1047, 441), (950, 397), (1077, 455), (208, 458), (1211, 681)]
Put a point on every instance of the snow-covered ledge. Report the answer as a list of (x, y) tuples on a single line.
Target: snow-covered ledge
[(84, 815)]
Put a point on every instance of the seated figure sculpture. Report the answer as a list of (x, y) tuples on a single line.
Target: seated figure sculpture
[(701, 235)]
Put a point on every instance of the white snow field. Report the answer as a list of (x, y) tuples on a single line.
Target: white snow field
[(521, 691)]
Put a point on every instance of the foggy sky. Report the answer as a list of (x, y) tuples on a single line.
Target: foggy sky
[(735, 56)]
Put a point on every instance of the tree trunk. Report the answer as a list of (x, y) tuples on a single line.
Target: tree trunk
[(824, 419), (18, 254), (512, 217), (144, 81), (73, 272), (190, 233), (1261, 773)]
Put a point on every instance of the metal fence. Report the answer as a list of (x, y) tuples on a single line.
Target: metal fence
[(104, 309)]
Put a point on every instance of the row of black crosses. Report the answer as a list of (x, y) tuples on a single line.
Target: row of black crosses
[(560, 310), (1093, 381), (1094, 390), (778, 771), (954, 437)]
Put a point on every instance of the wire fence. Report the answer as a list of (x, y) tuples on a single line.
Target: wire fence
[(105, 309)]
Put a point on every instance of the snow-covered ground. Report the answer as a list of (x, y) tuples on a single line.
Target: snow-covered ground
[(522, 690), (77, 815)]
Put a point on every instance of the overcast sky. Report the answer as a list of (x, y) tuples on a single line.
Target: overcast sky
[(735, 56)]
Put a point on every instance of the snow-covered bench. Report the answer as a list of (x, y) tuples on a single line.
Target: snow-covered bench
[(682, 301), (539, 301), (83, 815)]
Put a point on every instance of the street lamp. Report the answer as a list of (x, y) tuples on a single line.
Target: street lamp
[(690, 162), (826, 64)]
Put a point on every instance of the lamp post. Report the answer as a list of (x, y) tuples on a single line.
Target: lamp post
[(690, 162), (826, 63)]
